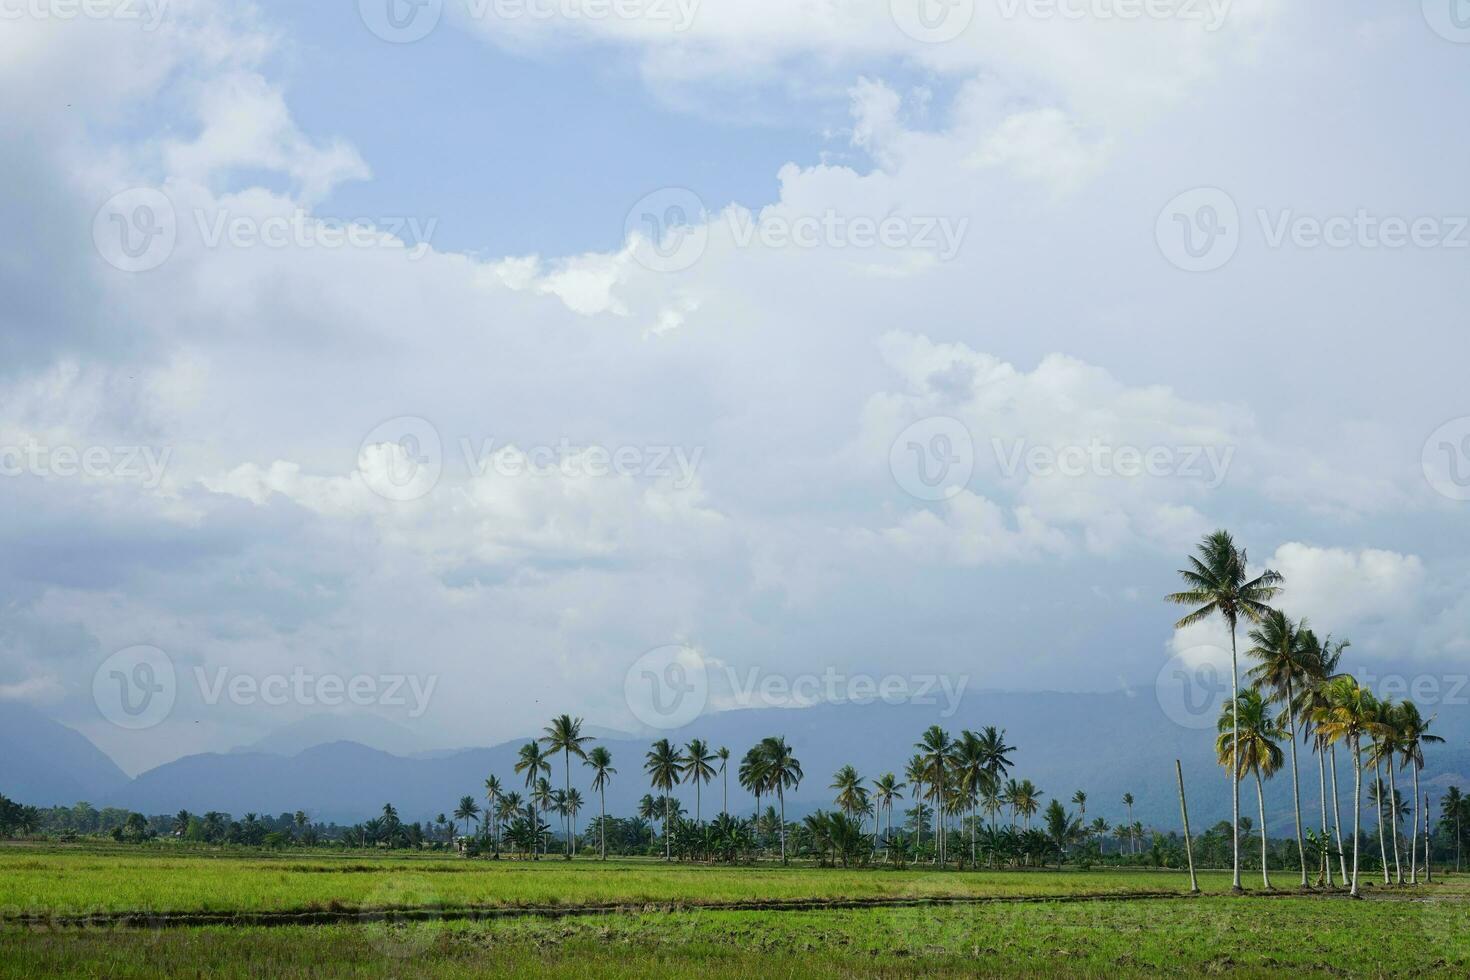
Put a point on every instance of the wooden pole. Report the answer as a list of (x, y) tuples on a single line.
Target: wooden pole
[(1188, 842)]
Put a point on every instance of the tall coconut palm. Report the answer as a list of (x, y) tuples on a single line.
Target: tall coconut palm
[(1248, 738), (850, 791), (723, 754), (1128, 802), (915, 774), (783, 772), (600, 759), (1452, 811), (970, 760), (1412, 735), (754, 768), (532, 763), (571, 802), (997, 763), (1322, 658), (1348, 714), (1381, 749), (543, 796), (697, 768), (467, 810), (936, 748), (508, 808), (1079, 799), (564, 735), (664, 766), (1278, 644), (1216, 582), (886, 789), (492, 796)]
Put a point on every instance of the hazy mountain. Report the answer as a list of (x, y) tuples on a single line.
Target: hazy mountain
[(364, 729), (1105, 744), (45, 763)]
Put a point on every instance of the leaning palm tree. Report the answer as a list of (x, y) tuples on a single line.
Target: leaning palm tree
[(697, 768), (600, 759), (664, 766), (564, 735), (1413, 735), (783, 773), (723, 754), (467, 810), (1283, 670), (1348, 713), (1248, 738), (1216, 583)]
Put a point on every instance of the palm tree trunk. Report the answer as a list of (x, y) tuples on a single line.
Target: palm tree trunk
[(1393, 813), (1234, 761), (666, 826), (1378, 794), (781, 795), (1296, 794), (1261, 800), (1188, 841), (1414, 843), (602, 824), (1322, 793), (1357, 809), (567, 817), (1337, 819), (725, 803)]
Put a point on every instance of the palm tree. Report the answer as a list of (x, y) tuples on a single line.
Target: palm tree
[(1128, 802), (753, 774), (571, 802), (697, 768), (1452, 809), (1413, 734), (507, 808), (1216, 583), (543, 797), (493, 791), (181, 823), (600, 759), (1062, 829), (1283, 670), (564, 735), (1382, 749), (783, 772), (664, 766), (1248, 739), (1348, 714), (916, 775), (886, 789), (300, 820), (467, 810), (533, 763), (935, 747), (723, 754), (1080, 799), (970, 760), (1321, 658)]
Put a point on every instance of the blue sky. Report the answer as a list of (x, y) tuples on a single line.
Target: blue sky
[(901, 258)]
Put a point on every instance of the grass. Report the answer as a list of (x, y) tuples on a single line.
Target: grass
[(82, 881), (1399, 932)]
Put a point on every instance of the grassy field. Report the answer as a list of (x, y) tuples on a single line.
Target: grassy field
[(1397, 932)]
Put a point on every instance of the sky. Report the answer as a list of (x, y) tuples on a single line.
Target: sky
[(466, 356)]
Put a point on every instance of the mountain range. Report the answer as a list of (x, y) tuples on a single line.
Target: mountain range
[(1105, 744)]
